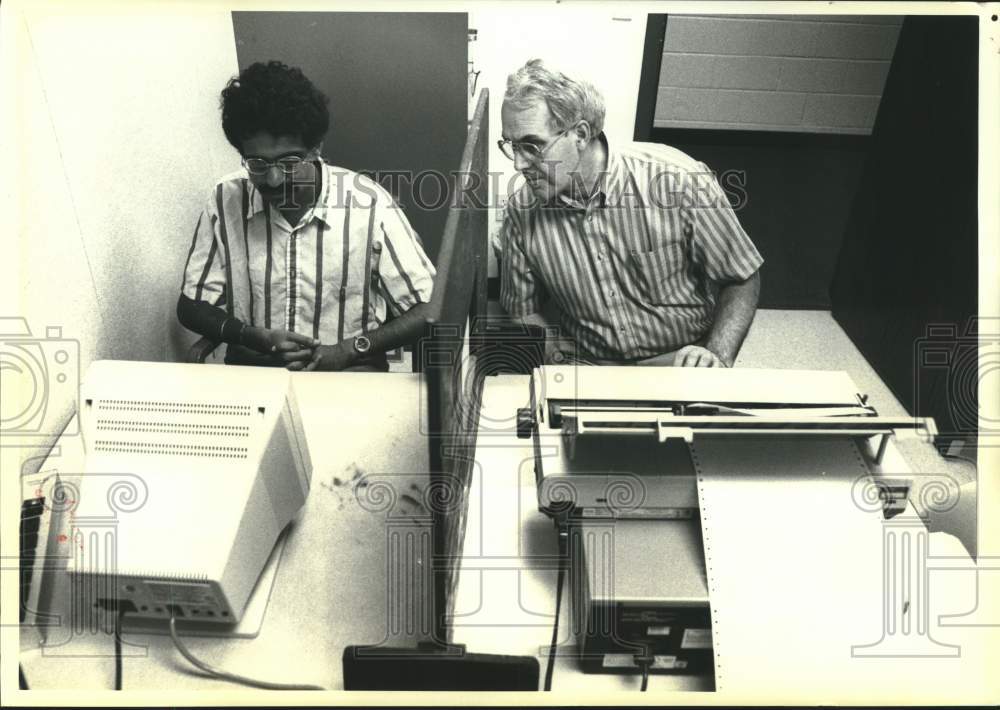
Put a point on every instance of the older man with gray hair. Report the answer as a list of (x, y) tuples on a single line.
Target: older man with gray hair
[(636, 244)]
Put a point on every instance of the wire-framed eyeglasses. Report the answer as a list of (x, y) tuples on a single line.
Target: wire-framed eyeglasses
[(528, 151), (259, 166)]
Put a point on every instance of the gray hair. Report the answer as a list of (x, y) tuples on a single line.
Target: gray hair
[(569, 100)]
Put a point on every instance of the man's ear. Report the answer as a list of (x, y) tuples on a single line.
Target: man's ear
[(583, 132), (317, 152)]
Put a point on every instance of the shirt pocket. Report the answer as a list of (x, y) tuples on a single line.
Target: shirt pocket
[(661, 273)]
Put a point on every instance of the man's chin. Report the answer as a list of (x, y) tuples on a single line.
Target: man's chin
[(539, 189), (277, 198)]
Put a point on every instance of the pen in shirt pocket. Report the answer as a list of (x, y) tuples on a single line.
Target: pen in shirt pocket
[(376, 257)]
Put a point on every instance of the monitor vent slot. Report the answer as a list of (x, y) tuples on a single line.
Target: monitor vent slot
[(167, 449), (177, 428), (164, 407)]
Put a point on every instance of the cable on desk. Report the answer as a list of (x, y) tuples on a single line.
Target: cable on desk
[(960, 459), (231, 677), (644, 660), (118, 649), (563, 536)]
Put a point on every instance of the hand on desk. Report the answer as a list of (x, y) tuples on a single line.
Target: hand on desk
[(296, 352), (328, 358), (697, 356), (282, 347)]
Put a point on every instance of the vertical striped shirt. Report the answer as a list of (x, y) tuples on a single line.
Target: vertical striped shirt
[(636, 270), (334, 275)]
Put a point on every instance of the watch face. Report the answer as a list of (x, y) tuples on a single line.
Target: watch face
[(362, 344)]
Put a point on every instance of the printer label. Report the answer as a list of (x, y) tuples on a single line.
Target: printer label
[(666, 663), (618, 660), (658, 631), (697, 638)]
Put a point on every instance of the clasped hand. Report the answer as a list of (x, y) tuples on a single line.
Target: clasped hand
[(299, 352)]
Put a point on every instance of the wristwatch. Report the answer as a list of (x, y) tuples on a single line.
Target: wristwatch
[(362, 345)]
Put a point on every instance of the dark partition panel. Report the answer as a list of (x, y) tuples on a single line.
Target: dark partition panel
[(397, 88), (906, 286), (453, 384)]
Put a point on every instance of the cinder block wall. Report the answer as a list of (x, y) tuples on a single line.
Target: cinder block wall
[(811, 74)]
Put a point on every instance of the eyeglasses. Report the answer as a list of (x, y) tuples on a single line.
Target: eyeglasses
[(529, 151), (259, 166)]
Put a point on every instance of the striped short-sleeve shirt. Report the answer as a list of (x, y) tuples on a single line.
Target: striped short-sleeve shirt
[(635, 272), (351, 258)]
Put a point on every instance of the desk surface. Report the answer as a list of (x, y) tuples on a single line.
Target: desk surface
[(330, 590), (506, 595)]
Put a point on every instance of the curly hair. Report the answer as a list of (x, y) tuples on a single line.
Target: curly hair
[(275, 98), (569, 100)]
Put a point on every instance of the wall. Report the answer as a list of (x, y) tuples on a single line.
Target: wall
[(783, 105), (397, 86), (809, 73), (906, 283), (115, 142), (602, 44)]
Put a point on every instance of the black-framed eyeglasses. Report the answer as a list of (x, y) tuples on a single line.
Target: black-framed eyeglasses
[(529, 151), (259, 166)]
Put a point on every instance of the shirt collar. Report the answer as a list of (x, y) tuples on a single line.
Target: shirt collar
[(255, 202), (609, 186), (614, 177)]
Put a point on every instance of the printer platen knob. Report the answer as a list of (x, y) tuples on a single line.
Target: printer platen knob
[(525, 423)]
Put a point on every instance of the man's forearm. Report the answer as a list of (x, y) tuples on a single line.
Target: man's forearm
[(734, 312), (403, 330), (207, 320)]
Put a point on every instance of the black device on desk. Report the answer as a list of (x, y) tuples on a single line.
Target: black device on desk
[(453, 385)]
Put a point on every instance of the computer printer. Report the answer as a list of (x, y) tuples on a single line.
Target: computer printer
[(613, 467), (613, 441)]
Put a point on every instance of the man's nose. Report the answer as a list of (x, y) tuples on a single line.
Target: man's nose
[(520, 162), (274, 176)]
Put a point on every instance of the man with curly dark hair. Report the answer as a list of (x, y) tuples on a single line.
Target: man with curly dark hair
[(295, 262)]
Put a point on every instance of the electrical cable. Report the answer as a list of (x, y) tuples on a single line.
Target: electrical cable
[(961, 459), (231, 677), (118, 649), (555, 630), (644, 660), (563, 544)]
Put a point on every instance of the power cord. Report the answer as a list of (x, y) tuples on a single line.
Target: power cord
[(644, 660), (960, 459), (231, 677), (563, 537), (118, 648)]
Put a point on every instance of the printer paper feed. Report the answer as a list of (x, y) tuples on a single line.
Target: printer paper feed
[(794, 557)]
